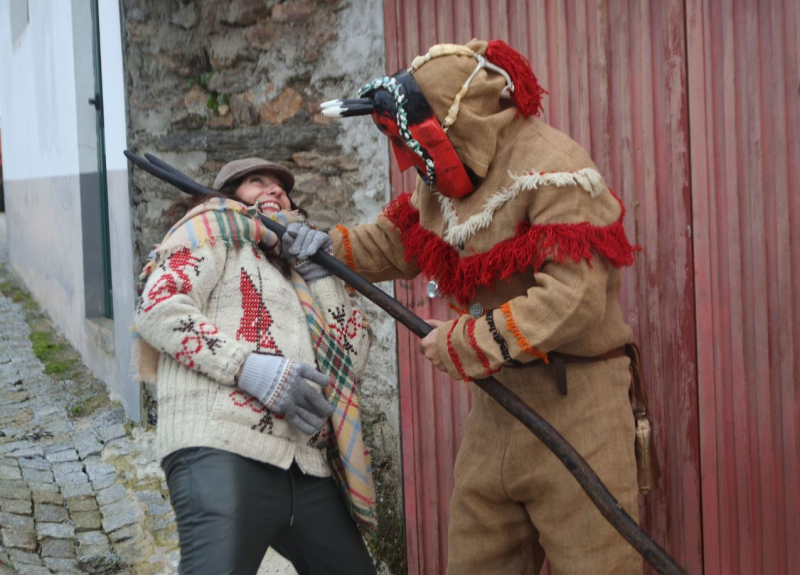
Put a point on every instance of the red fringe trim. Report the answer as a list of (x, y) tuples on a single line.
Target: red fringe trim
[(451, 350), (527, 94), (473, 342), (528, 249)]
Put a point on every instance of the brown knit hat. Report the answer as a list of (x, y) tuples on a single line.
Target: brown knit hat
[(239, 168)]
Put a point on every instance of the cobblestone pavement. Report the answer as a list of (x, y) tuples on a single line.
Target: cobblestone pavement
[(77, 494)]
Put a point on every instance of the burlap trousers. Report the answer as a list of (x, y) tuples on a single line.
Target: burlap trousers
[(515, 503)]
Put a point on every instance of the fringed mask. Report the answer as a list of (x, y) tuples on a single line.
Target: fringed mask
[(419, 140)]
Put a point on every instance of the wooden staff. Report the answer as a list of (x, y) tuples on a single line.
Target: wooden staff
[(598, 493)]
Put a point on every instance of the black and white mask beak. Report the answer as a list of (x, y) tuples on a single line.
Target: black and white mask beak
[(347, 108)]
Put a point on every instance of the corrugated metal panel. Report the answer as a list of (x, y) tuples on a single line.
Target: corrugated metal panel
[(616, 72), (744, 75)]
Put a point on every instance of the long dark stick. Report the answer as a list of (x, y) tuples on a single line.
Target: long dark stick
[(546, 433)]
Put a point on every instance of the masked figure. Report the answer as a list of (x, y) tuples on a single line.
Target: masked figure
[(513, 224)]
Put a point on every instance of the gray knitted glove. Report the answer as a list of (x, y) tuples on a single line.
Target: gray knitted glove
[(299, 243), (279, 383)]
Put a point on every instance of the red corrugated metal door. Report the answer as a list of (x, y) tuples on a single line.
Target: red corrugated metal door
[(744, 81), (616, 72)]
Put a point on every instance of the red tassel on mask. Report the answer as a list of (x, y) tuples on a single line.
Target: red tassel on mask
[(527, 94)]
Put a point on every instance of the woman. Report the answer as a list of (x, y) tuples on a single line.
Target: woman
[(248, 346)]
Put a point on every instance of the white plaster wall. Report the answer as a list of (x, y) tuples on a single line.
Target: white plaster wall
[(41, 160), (50, 143), (119, 213), (38, 94)]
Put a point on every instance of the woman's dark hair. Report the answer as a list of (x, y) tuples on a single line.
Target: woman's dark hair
[(183, 204)]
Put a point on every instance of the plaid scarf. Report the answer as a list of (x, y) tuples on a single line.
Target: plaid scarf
[(237, 225)]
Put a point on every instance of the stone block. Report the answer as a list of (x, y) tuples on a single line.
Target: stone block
[(244, 12), (41, 486), (19, 539), (160, 522), (133, 551), (38, 475), (62, 548), (67, 468), (111, 432), (230, 49), (32, 570), (51, 497), (130, 532), (62, 456), (55, 530), (104, 481), (62, 565), (83, 503), (77, 490), (96, 468), (282, 108), (31, 451), (34, 463), (14, 521), (19, 506), (149, 496), (117, 515), (111, 494), (224, 122), (185, 16), (18, 556), (77, 478), (159, 508), (14, 490), (88, 446), (292, 11), (92, 538), (86, 520), (9, 473), (50, 513)]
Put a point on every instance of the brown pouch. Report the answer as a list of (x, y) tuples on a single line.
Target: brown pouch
[(648, 471)]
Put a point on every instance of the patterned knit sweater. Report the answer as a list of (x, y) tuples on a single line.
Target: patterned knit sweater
[(205, 308)]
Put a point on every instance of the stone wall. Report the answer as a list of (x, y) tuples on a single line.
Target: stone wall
[(209, 81)]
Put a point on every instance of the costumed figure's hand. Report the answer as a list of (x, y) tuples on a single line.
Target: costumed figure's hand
[(301, 242), (429, 347), (280, 384)]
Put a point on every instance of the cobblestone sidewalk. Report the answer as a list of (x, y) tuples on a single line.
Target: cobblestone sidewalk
[(77, 494)]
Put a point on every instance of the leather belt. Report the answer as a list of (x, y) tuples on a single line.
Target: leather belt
[(559, 361)]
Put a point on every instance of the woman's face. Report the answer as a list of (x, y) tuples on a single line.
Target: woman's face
[(264, 191)]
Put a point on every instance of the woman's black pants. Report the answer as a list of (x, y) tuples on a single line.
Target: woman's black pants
[(231, 509)]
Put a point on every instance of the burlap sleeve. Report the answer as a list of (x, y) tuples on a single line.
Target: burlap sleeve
[(567, 300), (373, 250)]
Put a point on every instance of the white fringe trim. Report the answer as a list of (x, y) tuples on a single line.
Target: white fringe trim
[(588, 178)]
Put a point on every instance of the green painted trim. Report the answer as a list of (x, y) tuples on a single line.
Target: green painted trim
[(108, 297)]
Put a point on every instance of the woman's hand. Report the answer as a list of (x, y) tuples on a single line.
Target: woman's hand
[(280, 384), (429, 347)]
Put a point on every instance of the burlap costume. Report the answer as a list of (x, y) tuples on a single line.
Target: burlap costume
[(538, 245)]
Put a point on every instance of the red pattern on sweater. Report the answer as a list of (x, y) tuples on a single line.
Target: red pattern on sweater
[(256, 319), (167, 285), (529, 248)]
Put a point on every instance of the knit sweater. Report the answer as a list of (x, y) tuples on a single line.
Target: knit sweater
[(205, 308)]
